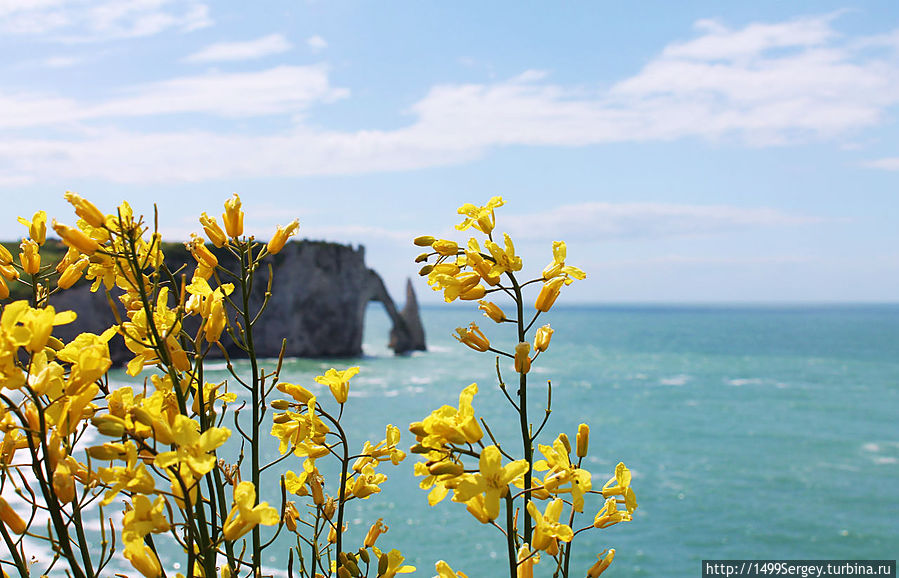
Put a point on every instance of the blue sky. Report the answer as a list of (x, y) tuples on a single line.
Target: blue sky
[(687, 152)]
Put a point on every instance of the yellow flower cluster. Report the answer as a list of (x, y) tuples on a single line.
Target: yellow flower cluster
[(450, 437), (162, 454)]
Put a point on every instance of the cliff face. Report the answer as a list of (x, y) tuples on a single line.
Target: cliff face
[(319, 295)]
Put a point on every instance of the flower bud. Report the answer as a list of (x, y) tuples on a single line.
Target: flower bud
[(30, 257), (5, 255), (383, 564), (279, 239), (109, 425), (522, 361), (9, 272), (492, 311), (280, 404), (233, 217), (422, 257), (363, 555), (64, 483), (75, 238), (603, 562), (563, 437), (425, 270), (445, 467), (424, 241), (72, 273), (445, 247), (548, 294), (418, 428), (10, 518), (542, 337), (583, 439), (107, 452), (4, 288), (86, 210), (213, 231)]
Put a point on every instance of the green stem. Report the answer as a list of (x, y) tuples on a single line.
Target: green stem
[(523, 413)]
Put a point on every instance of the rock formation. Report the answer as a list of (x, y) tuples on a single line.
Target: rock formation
[(320, 293)]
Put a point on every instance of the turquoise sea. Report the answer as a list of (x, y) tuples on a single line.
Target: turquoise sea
[(753, 432)]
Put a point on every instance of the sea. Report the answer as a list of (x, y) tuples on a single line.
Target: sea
[(752, 431)]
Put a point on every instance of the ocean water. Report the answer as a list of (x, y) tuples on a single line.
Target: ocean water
[(751, 432)]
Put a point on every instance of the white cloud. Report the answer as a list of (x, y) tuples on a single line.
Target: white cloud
[(239, 51), (281, 90), (763, 84), (80, 21), (887, 164), (316, 43), (61, 61), (602, 221)]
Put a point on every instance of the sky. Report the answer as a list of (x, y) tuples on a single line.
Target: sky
[(687, 152)]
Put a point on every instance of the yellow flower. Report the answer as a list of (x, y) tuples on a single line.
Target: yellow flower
[(562, 471), (30, 257), (385, 450), (473, 337), (366, 482), (282, 235), (197, 248), (548, 530), (233, 217), (244, 516), (144, 560), (610, 515), (37, 227), (492, 480), (481, 218), (558, 267), (526, 561), (542, 338), (132, 477), (86, 210), (492, 311), (444, 571), (76, 239), (72, 273), (603, 562), (374, 533), (298, 392), (465, 286), (5, 256), (192, 451), (620, 485), (391, 564), (504, 260), (338, 381), (481, 266), (522, 359), (143, 518), (213, 231), (450, 425), (548, 294)]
